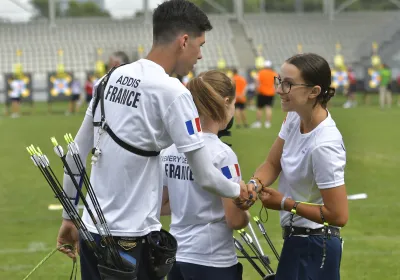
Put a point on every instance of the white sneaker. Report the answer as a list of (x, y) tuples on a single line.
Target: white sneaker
[(347, 105), (267, 125), (256, 125), (14, 115)]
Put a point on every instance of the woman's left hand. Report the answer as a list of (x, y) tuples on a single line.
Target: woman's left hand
[(271, 198)]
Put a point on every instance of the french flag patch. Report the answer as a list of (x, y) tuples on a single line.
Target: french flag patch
[(193, 126), (231, 171)]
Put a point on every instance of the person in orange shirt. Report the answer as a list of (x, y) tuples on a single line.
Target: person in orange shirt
[(240, 104), (265, 94)]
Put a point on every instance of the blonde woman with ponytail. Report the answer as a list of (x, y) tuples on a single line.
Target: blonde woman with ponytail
[(203, 222)]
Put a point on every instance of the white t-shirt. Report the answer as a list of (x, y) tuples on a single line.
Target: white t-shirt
[(310, 162), (76, 87), (17, 87), (149, 110), (198, 217)]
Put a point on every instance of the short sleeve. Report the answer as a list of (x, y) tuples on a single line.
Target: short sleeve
[(285, 127), (227, 162), (328, 163), (182, 123)]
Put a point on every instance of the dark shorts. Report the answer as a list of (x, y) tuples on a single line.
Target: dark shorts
[(75, 97), (240, 106), (15, 99), (189, 271), (88, 98), (89, 270), (301, 259), (263, 100), (250, 94)]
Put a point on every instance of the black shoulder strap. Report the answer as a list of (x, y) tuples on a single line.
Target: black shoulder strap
[(100, 97), (100, 90)]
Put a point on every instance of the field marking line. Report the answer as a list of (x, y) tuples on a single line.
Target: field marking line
[(357, 196), (33, 247)]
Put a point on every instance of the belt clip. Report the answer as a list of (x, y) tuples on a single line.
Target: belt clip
[(104, 125), (291, 231), (329, 233)]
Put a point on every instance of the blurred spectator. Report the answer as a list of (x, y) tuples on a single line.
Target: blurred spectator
[(385, 94), (89, 89), (251, 90), (240, 104), (76, 93), (118, 58), (266, 93), (15, 97), (351, 91)]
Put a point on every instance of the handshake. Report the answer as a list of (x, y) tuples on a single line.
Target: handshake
[(248, 193)]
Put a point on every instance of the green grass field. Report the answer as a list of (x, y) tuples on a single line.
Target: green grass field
[(372, 243)]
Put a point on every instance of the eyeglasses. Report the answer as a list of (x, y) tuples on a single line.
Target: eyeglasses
[(287, 86)]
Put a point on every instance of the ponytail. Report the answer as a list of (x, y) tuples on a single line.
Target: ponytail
[(209, 91)]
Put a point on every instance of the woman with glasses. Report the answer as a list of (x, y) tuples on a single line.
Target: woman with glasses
[(310, 158)]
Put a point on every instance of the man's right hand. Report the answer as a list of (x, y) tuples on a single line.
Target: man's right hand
[(68, 234), (247, 196)]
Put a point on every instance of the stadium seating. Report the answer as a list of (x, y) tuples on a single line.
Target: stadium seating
[(279, 34), (79, 40)]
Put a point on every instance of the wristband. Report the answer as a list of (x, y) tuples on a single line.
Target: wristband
[(254, 183), (283, 202), (256, 178)]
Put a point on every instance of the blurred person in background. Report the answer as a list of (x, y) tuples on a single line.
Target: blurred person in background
[(240, 105), (89, 89), (251, 91), (265, 95), (75, 95), (385, 93), (351, 91), (15, 98), (117, 58)]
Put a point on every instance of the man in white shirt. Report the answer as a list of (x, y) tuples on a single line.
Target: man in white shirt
[(145, 110)]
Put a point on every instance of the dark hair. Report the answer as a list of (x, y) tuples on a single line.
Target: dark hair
[(122, 56), (315, 70), (175, 16), (234, 71)]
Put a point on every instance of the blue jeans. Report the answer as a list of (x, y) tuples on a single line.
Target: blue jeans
[(189, 271), (301, 259)]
